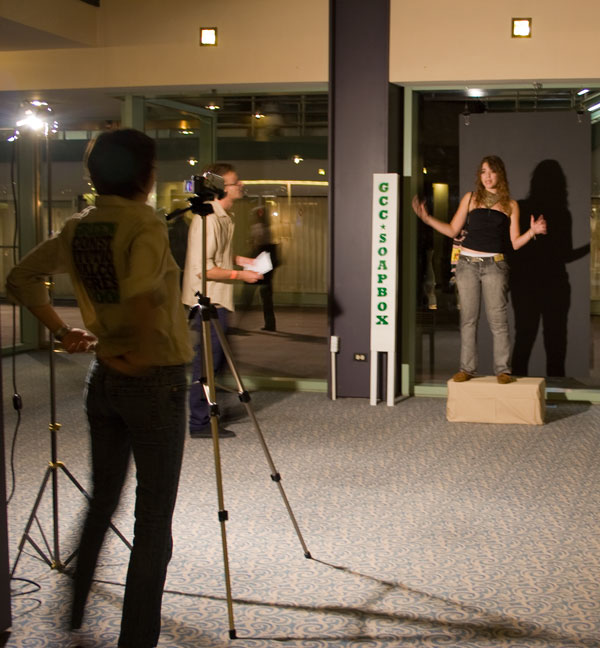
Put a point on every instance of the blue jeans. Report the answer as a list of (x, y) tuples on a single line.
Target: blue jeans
[(476, 276), (199, 412), (144, 416)]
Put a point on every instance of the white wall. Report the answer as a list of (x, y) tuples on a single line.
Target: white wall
[(155, 43), (152, 43), (71, 20), (459, 41)]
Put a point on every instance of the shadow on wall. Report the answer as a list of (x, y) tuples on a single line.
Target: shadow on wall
[(539, 281)]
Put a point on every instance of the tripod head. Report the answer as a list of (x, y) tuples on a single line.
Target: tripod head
[(208, 186), (206, 308)]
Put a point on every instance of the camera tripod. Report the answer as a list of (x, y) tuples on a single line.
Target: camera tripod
[(209, 316)]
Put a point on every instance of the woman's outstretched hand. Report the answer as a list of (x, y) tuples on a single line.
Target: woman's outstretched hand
[(538, 226), (419, 207)]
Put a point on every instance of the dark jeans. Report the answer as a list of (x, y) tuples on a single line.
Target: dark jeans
[(199, 412), (265, 287), (144, 415)]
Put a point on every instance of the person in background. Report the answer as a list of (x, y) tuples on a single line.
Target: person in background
[(260, 241), (491, 220), (127, 287), (220, 275)]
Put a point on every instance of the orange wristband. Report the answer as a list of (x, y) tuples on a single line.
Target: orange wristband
[(234, 274)]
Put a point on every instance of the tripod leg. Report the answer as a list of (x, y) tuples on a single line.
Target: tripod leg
[(32, 517), (209, 390), (82, 490), (244, 397), (48, 557)]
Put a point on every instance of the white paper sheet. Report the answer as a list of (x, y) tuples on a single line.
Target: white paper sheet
[(262, 264)]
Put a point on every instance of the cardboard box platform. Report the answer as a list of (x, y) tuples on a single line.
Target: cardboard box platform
[(483, 400)]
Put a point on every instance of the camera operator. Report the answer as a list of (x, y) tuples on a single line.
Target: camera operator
[(127, 287), (220, 275)]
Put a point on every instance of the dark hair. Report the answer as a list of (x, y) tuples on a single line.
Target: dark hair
[(497, 166), (120, 162)]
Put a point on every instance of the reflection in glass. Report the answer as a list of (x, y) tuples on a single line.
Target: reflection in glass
[(298, 229)]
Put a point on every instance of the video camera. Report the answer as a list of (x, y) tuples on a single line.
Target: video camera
[(208, 186)]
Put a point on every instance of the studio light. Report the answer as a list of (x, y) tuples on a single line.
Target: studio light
[(583, 92), (35, 117), (466, 114), (297, 159)]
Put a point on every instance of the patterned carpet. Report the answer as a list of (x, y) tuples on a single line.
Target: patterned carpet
[(423, 533)]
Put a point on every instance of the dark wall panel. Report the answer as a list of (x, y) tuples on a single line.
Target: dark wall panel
[(548, 161), (5, 613), (359, 144)]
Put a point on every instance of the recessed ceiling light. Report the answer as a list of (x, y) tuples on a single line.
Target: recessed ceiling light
[(208, 36), (521, 28)]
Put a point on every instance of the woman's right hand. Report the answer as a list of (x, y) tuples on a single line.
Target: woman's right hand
[(418, 206), (78, 340)]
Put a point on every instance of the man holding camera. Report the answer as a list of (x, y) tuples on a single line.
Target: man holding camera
[(220, 275)]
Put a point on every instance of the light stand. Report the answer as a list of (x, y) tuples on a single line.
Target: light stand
[(209, 315), (52, 553)]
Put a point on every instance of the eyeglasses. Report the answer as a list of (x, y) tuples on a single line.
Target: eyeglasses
[(234, 184)]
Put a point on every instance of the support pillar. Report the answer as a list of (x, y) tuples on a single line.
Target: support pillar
[(364, 138), (133, 113)]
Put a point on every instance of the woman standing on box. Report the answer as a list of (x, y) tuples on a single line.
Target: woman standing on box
[(491, 219)]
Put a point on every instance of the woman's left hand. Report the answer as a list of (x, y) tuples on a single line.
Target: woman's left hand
[(538, 226)]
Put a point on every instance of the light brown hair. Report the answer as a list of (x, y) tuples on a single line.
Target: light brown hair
[(497, 166)]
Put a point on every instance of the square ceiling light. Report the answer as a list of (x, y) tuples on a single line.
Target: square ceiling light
[(521, 28), (208, 36)]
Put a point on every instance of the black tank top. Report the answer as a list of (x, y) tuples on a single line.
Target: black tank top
[(487, 231)]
